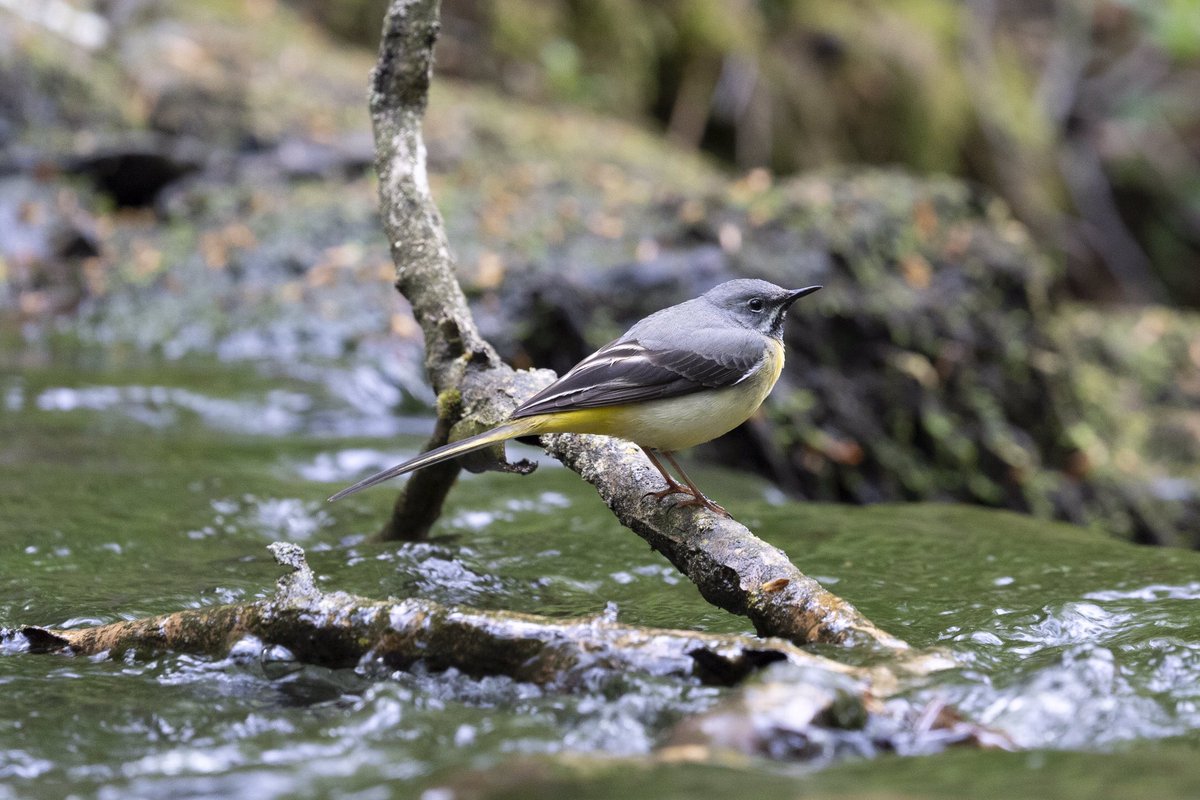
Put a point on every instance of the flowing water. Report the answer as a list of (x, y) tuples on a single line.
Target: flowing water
[(131, 487)]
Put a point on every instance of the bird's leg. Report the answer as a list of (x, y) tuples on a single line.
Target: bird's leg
[(673, 486), (696, 497)]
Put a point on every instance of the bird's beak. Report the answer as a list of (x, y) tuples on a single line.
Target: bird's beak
[(797, 294)]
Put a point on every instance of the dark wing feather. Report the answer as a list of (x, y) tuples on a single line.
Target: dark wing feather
[(626, 371)]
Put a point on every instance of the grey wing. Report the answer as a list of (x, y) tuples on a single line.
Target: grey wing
[(627, 371)]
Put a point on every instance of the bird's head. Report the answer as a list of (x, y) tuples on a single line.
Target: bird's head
[(756, 304)]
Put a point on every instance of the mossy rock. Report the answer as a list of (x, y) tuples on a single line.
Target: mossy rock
[(927, 369)]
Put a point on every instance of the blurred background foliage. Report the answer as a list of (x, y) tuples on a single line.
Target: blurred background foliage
[(1084, 115), (196, 177)]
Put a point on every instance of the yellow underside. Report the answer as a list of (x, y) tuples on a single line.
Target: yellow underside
[(676, 423)]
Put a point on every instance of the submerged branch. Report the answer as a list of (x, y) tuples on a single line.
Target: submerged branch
[(732, 568), (343, 630), (804, 707)]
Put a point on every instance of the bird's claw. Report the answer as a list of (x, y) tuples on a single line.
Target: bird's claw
[(665, 493), (692, 499), (701, 500)]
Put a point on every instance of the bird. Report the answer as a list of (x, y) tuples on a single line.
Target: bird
[(679, 377)]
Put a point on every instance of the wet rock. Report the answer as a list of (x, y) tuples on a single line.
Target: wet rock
[(799, 714)]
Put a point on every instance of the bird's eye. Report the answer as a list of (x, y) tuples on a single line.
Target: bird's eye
[(756, 304)]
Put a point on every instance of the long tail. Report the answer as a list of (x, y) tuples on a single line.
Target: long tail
[(509, 430)]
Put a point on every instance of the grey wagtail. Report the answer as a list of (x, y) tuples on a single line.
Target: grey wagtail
[(680, 377)]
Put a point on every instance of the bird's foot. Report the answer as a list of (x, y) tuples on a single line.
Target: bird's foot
[(693, 499), (695, 496), (667, 492), (701, 500)]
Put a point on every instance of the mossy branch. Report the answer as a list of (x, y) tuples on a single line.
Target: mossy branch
[(732, 568)]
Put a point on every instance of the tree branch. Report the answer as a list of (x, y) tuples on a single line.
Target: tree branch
[(341, 630), (732, 568)]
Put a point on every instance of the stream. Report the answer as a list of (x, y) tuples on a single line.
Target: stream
[(133, 485)]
